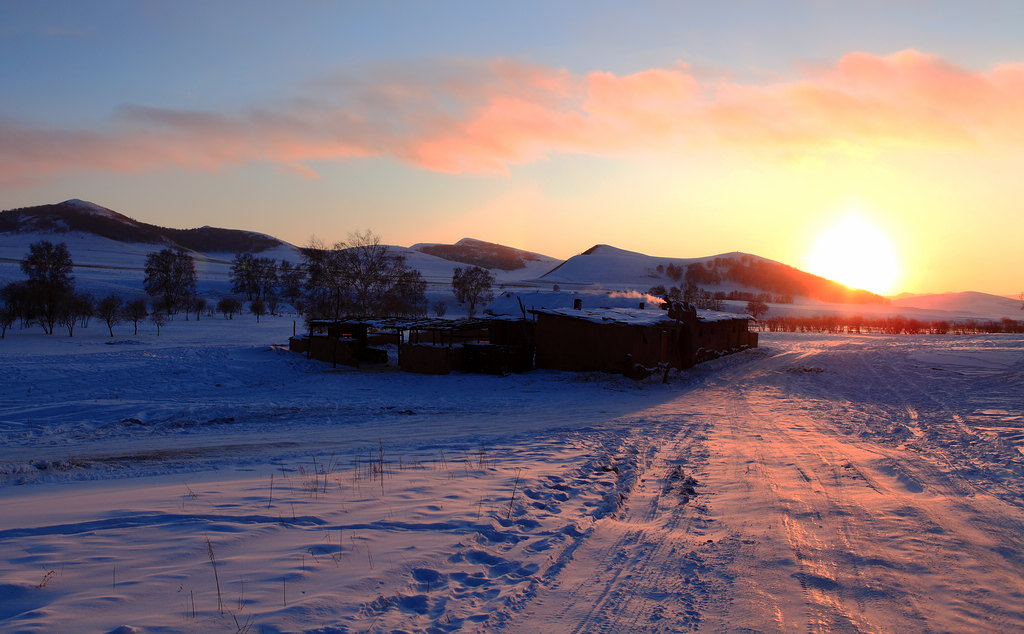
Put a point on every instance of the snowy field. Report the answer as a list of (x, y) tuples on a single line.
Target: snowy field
[(209, 480)]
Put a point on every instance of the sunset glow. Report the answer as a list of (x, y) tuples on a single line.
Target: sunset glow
[(658, 129), (855, 253), (531, 316)]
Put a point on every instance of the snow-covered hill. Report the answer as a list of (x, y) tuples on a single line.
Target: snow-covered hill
[(109, 250), (85, 217), (969, 302), (103, 266), (497, 257), (613, 268)]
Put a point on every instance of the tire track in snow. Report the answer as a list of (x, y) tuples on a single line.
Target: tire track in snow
[(992, 536), (623, 608), (641, 569), (813, 478), (937, 528), (818, 577)]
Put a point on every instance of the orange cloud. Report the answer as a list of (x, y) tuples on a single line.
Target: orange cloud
[(905, 99), (486, 117)]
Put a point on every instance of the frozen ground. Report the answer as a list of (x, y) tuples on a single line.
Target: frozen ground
[(822, 483)]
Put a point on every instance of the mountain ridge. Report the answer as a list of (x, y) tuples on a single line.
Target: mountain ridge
[(87, 217), (732, 272), (600, 266), (489, 255)]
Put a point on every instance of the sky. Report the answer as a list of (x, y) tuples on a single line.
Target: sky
[(675, 129)]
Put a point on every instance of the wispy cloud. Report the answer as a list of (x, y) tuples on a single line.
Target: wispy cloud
[(486, 117)]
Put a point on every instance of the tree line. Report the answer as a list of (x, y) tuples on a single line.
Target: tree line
[(48, 297), (896, 325), (359, 277), (778, 280), (698, 297)]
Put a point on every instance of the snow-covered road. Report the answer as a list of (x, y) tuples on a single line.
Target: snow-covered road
[(822, 483), (841, 487)]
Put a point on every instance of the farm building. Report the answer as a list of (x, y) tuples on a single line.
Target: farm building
[(636, 342), (491, 346), (632, 341), (428, 346), (338, 341)]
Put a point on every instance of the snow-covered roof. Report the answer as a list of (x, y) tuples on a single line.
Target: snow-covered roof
[(716, 315), (508, 302), (403, 323), (631, 316)]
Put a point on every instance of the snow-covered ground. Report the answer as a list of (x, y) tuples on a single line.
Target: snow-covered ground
[(207, 479)]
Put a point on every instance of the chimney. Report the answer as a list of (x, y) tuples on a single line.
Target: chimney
[(577, 303), (641, 305)]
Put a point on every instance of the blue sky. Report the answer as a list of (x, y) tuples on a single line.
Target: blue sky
[(431, 121), (73, 62)]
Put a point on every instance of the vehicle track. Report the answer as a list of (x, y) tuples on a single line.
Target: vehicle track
[(963, 530), (824, 505), (646, 567)]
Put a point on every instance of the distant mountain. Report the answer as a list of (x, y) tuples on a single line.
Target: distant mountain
[(966, 302), (101, 239), (86, 217), (607, 265), (485, 254)]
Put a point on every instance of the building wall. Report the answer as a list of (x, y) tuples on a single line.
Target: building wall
[(430, 359), (329, 349), (722, 337), (565, 343)]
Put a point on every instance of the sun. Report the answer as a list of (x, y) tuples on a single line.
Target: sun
[(855, 253)]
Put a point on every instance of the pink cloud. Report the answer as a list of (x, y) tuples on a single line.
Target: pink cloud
[(480, 118), (905, 99)]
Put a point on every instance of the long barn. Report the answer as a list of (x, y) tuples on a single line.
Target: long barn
[(636, 342), (632, 341)]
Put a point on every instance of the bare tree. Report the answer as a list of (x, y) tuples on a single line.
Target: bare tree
[(360, 277), (86, 308), (198, 304), (73, 310), (707, 301), (67, 316), (367, 269), (171, 277), (19, 298), (243, 275), (135, 311), (158, 315), (266, 276), (757, 308), (48, 267), (674, 272), (324, 288), (291, 280), (472, 285), (111, 310), (258, 307), (406, 297), (228, 307), (7, 317)]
